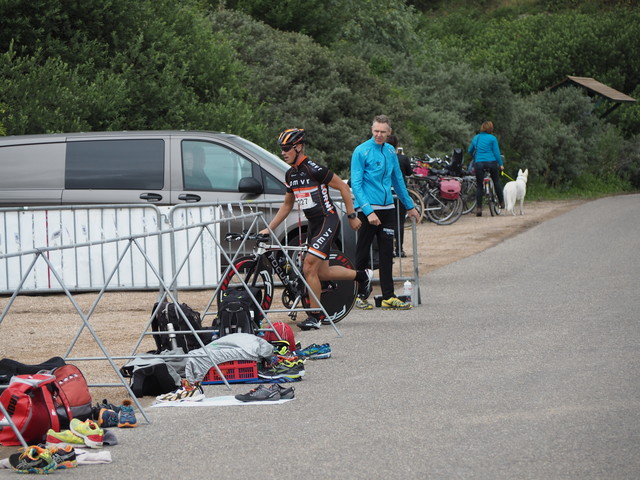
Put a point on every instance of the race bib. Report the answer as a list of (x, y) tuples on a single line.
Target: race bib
[(304, 199)]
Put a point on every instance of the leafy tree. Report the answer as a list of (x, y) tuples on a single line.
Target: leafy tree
[(301, 84), (119, 64)]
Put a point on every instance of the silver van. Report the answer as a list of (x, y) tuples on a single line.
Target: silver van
[(155, 167), (158, 167)]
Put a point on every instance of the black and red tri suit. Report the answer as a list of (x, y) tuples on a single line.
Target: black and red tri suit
[(309, 182)]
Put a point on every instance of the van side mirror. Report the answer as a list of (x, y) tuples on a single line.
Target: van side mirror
[(250, 185)]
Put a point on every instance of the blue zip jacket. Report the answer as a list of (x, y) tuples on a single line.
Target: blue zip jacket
[(374, 170), (486, 146)]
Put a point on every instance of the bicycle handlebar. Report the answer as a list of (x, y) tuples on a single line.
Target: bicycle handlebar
[(234, 236)]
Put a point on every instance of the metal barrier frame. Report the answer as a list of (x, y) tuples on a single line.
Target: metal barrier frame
[(133, 240), (167, 289)]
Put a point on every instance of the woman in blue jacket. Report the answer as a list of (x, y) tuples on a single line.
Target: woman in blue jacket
[(486, 153)]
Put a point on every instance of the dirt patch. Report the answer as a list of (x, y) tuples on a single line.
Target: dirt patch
[(41, 326), (470, 235)]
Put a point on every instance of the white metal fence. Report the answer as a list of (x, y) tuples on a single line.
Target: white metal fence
[(83, 243)]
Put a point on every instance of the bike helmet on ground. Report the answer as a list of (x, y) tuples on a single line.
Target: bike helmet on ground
[(291, 137)]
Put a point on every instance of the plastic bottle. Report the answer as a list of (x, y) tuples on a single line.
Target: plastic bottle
[(408, 290), (172, 336)]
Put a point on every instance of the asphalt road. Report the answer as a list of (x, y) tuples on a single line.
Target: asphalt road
[(523, 362)]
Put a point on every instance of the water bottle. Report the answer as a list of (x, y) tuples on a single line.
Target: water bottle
[(172, 336), (408, 291)]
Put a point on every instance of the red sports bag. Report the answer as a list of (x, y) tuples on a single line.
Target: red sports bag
[(286, 333), (73, 393), (30, 402)]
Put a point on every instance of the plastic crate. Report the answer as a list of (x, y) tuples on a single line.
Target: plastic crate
[(237, 371)]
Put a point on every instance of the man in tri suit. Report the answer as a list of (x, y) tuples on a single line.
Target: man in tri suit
[(308, 184)]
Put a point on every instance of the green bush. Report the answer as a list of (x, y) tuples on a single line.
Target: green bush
[(301, 84)]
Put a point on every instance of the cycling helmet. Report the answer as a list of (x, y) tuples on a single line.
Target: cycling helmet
[(291, 137)]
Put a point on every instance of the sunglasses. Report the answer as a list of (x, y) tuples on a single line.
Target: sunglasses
[(286, 148)]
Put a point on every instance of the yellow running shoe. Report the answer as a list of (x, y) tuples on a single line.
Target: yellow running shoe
[(394, 303), (62, 439), (363, 304), (89, 431)]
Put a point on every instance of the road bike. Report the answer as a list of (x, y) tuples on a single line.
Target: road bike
[(258, 268)]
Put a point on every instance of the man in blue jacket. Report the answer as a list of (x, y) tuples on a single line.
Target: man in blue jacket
[(374, 171)]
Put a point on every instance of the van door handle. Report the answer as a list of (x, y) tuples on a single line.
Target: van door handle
[(189, 197), (151, 197)]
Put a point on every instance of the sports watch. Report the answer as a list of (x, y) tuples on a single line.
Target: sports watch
[(351, 216)]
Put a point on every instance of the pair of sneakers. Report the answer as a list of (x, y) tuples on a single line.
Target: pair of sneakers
[(283, 367), (270, 393), (87, 433), (37, 459), (315, 351), (188, 392), (393, 303), (123, 417)]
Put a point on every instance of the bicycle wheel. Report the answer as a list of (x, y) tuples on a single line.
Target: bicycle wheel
[(468, 194), (338, 296), (492, 200), (255, 274), (442, 211), (419, 204)]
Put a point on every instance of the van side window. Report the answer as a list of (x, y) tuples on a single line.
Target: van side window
[(115, 164), (209, 166)]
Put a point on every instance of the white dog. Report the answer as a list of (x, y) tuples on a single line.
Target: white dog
[(514, 191)]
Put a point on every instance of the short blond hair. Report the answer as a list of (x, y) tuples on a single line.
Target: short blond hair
[(487, 126)]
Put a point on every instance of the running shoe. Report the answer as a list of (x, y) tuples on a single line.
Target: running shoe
[(310, 323), (363, 304), (284, 368), (316, 352), (186, 393), (260, 394), (394, 303), (95, 411), (33, 459), (64, 457), (127, 416), (89, 431), (63, 439), (280, 347), (286, 393), (107, 418)]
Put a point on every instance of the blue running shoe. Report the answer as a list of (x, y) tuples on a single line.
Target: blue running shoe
[(126, 415), (107, 418), (316, 352)]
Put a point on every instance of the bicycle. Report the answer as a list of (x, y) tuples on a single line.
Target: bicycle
[(418, 204), (491, 195), (441, 211), (468, 193), (256, 270)]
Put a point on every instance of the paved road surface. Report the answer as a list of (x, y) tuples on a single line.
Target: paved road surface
[(522, 363)]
